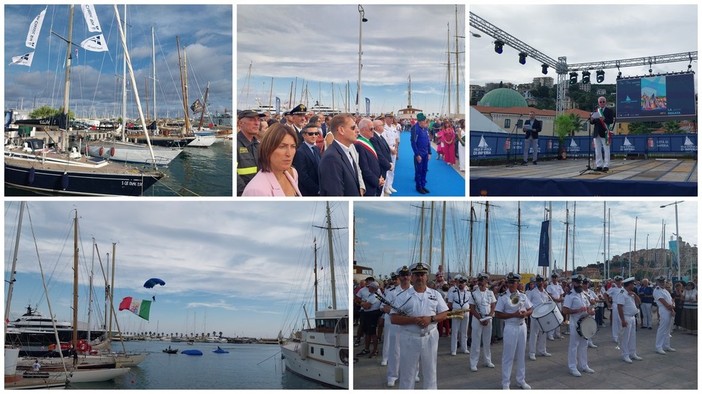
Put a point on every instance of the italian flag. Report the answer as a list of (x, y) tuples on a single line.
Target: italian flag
[(140, 308)]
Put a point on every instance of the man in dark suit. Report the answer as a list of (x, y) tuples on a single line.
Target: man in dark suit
[(531, 128), (368, 159), (603, 121), (338, 174), (306, 162), (383, 149)]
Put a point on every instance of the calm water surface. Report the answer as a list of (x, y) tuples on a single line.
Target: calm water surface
[(244, 367)]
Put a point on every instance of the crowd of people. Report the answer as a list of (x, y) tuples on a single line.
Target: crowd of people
[(304, 154), (408, 313)]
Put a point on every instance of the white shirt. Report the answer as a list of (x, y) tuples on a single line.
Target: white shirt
[(659, 293), (538, 297), (483, 300), (460, 299), (575, 301), (428, 303), (390, 136), (555, 290), (373, 300), (505, 305), (627, 300)]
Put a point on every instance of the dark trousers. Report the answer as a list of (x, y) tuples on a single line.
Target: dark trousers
[(420, 171)]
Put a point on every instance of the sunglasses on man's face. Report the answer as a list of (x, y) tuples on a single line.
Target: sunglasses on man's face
[(308, 133)]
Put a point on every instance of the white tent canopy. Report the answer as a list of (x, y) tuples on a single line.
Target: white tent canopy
[(481, 123)]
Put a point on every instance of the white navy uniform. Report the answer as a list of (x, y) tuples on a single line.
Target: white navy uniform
[(591, 297), (390, 135), (577, 345), (386, 325), (556, 291), (514, 338), (613, 293), (537, 338), (391, 346), (627, 335), (482, 301), (419, 344), (666, 321), (460, 299)]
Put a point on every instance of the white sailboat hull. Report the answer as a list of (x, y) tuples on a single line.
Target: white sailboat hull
[(326, 372), (94, 375), (203, 139), (132, 153)]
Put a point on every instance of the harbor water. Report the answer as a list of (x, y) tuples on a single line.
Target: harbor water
[(246, 366), (195, 172)]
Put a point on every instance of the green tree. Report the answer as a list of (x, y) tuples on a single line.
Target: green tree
[(672, 127), (46, 112), (566, 124)]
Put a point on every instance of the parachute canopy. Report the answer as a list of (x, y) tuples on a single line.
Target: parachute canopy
[(149, 284)]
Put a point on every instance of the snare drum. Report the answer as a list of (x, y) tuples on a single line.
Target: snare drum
[(587, 327), (548, 316)]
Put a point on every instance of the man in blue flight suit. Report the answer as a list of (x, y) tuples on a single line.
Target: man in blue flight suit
[(421, 146)]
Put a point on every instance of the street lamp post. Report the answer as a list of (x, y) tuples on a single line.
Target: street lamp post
[(677, 235), (362, 18)]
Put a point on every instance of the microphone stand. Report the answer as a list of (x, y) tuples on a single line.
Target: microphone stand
[(514, 138), (589, 147)]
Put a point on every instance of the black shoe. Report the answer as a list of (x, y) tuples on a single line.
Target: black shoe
[(598, 169), (605, 169), (363, 352), (421, 190), (425, 190), (535, 163), (524, 163)]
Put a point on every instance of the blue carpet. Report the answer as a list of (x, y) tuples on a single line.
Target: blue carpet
[(442, 179)]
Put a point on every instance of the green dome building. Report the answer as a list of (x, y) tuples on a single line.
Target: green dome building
[(503, 98)]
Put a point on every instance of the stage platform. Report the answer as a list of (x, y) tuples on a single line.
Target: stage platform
[(631, 178)]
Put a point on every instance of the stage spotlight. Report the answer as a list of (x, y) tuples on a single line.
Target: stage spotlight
[(544, 69), (586, 77), (522, 58), (498, 46), (600, 76), (573, 78)]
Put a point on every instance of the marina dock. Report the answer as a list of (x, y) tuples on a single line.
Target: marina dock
[(671, 371)]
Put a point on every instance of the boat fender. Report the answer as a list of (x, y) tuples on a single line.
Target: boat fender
[(64, 181), (112, 152), (101, 151), (339, 374), (31, 175), (84, 346), (302, 350)]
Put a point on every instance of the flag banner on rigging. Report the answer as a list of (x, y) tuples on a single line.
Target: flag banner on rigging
[(196, 106), (367, 106), (34, 30), (24, 60), (673, 246), (95, 44), (91, 18), (544, 258), (277, 105), (140, 308)]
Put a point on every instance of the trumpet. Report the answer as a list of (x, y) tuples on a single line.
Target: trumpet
[(456, 314)]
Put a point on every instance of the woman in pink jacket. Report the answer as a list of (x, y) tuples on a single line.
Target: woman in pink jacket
[(276, 176)]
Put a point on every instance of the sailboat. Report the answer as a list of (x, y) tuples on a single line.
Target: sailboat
[(321, 353), (34, 165)]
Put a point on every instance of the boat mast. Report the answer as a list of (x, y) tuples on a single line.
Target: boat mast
[(74, 339), (519, 234), (572, 253), (487, 229), (67, 76), (153, 71), (316, 302), (421, 232), (112, 286), (443, 234), (458, 99), (124, 81), (11, 286), (183, 84), (448, 69), (270, 95), (90, 290), (470, 248), (331, 256), (567, 223), (431, 236)]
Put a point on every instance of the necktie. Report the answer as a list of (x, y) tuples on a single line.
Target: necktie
[(315, 153)]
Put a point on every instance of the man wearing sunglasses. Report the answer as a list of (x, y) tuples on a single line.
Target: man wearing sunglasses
[(306, 161), (338, 170)]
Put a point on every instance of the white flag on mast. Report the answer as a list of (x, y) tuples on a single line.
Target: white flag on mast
[(95, 44), (24, 60), (91, 18), (34, 30)]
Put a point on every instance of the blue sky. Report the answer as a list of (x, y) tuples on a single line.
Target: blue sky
[(387, 232), (582, 33), (319, 44), (243, 268), (205, 32)]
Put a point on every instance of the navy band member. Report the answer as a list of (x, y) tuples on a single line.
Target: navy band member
[(513, 307)]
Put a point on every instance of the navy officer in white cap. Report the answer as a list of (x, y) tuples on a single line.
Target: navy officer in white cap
[(577, 305), (626, 304), (513, 307), (419, 310)]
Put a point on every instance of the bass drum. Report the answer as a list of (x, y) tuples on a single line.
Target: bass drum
[(548, 316), (587, 327)]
